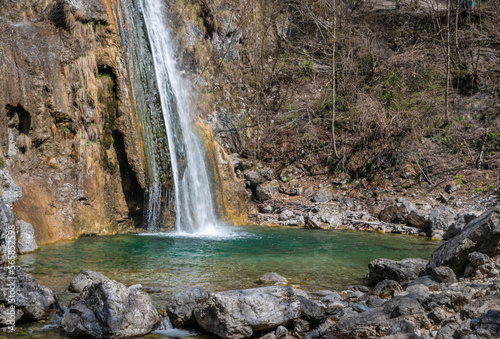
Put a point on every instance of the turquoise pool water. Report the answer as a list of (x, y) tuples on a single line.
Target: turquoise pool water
[(233, 259)]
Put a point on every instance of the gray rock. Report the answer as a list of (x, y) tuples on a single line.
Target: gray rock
[(397, 214), (253, 178), (108, 309), (85, 278), (84, 10), (225, 127), (226, 38), (326, 217), (322, 195), (481, 235), (271, 335), (267, 190), (266, 173), (428, 281), (236, 161), (360, 308), (286, 215), (7, 233), (180, 308), (32, 302), (312, 310), (268, 209), (374, 301), (442, 218), (407, 308), (10, 191), (273, 278), (281, 332), (301, 326), (237, 314), (457, 227), (401, 271), (444, 274), (26, 242), (478, 259), (387, 288), (361, 288)]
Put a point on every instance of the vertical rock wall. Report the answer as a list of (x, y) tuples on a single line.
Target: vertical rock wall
[(67, 125)]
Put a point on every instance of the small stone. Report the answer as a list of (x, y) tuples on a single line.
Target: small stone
[(273, 278), (478, 259), (322, 195), (286, 215), (301, 326), (444, 274), (450, 188), (360, 308), (268, 209), (387, 288), (281, 332)]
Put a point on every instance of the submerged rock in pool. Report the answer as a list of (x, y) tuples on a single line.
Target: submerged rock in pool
[(273, 278), (85, 278), (32, 302), (237, 314), (108, 309)]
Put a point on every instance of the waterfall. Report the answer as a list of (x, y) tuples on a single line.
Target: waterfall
[(194, 204)]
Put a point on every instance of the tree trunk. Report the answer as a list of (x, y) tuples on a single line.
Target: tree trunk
[(334, 87)]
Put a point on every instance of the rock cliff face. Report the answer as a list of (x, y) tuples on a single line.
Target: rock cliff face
[(67, 125)]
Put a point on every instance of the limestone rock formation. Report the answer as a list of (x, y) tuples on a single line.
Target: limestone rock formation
[(481, 235), (108, 309), (32, 302), (85, 278), (402, 271), (26, 241), (181, 306), (237, 314)]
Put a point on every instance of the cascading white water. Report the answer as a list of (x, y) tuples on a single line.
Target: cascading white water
[(194, 204)]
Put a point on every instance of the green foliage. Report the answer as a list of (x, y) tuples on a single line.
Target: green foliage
[(394, 86), (492, 136), (66, 130), (459, 179)]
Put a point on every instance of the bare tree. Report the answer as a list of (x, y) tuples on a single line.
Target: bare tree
[(334, 87)]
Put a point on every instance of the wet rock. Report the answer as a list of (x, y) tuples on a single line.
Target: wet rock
[(273, 278), (32, 302), (444, 274), (85, 278), (286, 215), (481, 235), (180, 308), (442, 218), (397, 214), (387, 288), (402, 271), (108, 309), (322, 195), (237, 314), (25, 237)]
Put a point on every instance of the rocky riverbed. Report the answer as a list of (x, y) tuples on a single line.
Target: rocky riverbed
[(456, 294)]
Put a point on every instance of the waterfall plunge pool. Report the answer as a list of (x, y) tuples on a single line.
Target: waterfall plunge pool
[(234, 258)]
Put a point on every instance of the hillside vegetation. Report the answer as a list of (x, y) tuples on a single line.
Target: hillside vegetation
[(266, 67)]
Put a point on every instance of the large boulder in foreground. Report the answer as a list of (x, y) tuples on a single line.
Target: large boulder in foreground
[(237, 314), (85, 278), (32, 302), (480, 235), (402, 271), (108, 309), (180, 308)]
